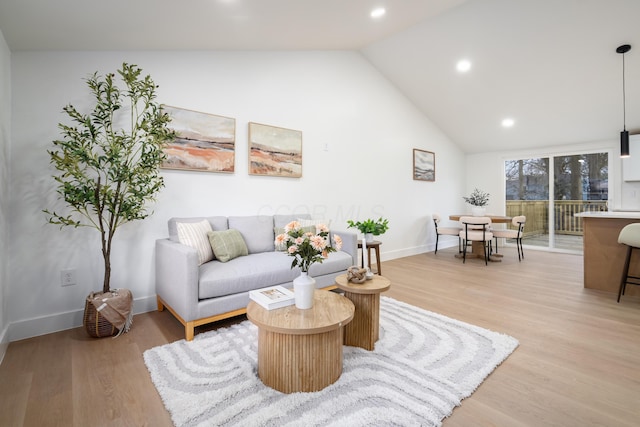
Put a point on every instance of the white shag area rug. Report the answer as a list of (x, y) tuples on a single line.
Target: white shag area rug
[(422, 367)]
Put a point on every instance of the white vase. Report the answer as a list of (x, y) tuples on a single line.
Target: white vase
[(368, 237), (303, 288), (478, 210)]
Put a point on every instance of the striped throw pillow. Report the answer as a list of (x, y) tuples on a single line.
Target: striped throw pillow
[(194, 234)]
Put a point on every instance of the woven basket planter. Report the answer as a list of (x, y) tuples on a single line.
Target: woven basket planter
[(94, 323)]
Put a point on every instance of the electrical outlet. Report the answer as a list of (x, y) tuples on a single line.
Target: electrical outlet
[(68, 277)]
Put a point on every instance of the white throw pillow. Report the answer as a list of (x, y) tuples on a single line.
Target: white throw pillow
[(194, 234)]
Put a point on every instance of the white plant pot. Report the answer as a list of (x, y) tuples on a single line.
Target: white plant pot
[(303, 289), (478, 210), (368, 237)]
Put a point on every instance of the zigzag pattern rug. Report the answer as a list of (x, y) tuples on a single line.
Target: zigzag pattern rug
[(421, 368)]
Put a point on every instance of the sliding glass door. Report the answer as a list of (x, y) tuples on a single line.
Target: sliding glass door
[(527, 193), (549, 191)]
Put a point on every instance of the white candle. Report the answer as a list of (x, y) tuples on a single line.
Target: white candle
[(365, 254)]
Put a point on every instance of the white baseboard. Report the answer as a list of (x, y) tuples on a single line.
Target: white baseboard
[(401, 253), (416, 250), (67, 320), (4, 343)]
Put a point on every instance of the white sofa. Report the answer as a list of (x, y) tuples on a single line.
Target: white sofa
[(199, 294)]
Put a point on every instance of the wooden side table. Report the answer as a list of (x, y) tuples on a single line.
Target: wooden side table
[(375, 244), (301, 350), (364, 329)]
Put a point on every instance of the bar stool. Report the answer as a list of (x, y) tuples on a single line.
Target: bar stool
[(630, 236)]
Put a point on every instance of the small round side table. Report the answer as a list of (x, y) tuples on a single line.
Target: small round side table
[(364, 330), (375, 245)]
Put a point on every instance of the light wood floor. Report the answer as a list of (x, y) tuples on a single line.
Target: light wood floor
[(578, 363)]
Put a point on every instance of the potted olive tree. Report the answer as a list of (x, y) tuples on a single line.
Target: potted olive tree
[(107, 171)]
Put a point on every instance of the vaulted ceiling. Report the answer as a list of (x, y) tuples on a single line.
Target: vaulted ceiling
[(549, 65)]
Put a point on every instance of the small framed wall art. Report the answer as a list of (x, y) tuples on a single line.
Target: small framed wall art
[(274, 151), (205, 142), (424, 165)]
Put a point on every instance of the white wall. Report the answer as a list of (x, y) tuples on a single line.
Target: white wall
[(5, 134), (486, 171), (337, 99)]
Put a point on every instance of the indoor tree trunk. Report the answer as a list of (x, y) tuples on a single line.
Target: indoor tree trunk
[(107, 275), (106, 255)]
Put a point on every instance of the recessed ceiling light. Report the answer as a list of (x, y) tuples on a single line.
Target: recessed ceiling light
[(463, 65), (378, 13), (508, 122)]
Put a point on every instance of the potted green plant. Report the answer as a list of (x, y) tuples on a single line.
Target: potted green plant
[(370, 227), (478, 199), (107, 164)]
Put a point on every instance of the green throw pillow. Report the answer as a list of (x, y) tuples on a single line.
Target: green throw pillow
[(227, 244)]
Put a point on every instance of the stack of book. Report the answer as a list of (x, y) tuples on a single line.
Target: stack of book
[(272, 297)]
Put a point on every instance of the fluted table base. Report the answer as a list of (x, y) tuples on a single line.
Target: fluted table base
[(301, 350)]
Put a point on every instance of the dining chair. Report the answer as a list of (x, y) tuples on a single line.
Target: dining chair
[(630, 236), (518, 222), (445, 231), (476, 229)]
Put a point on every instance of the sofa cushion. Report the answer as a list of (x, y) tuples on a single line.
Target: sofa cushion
[(335, 262), (257, 232), (216, 222), (194, 234), (246, 273), (260, 270), (305, 222), (282, 220), (227, 244)]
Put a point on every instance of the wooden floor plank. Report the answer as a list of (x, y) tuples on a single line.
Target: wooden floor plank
[(577, 363), (50, 394)]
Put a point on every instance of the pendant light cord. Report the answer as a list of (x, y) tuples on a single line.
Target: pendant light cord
[(624, 99)]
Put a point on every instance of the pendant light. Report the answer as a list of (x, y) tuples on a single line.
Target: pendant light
[(624, 135)]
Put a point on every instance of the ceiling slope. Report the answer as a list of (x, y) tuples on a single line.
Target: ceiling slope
[(206, 24), (550, 65)]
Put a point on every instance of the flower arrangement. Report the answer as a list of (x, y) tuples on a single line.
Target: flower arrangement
[(477, 198), (377, 227), (307, 246)]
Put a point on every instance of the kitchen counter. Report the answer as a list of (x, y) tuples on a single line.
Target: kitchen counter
[(611, 214), (603, 255)]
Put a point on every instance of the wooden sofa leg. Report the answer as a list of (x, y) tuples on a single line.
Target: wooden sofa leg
[(160, 304), (188, 331)]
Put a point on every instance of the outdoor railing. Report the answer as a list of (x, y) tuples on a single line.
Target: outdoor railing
[(537, 213)]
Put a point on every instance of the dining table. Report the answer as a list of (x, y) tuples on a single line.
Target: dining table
[(477, 248)]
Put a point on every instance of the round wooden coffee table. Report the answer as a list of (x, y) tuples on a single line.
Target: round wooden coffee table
[(364, 329), (301, 350)]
